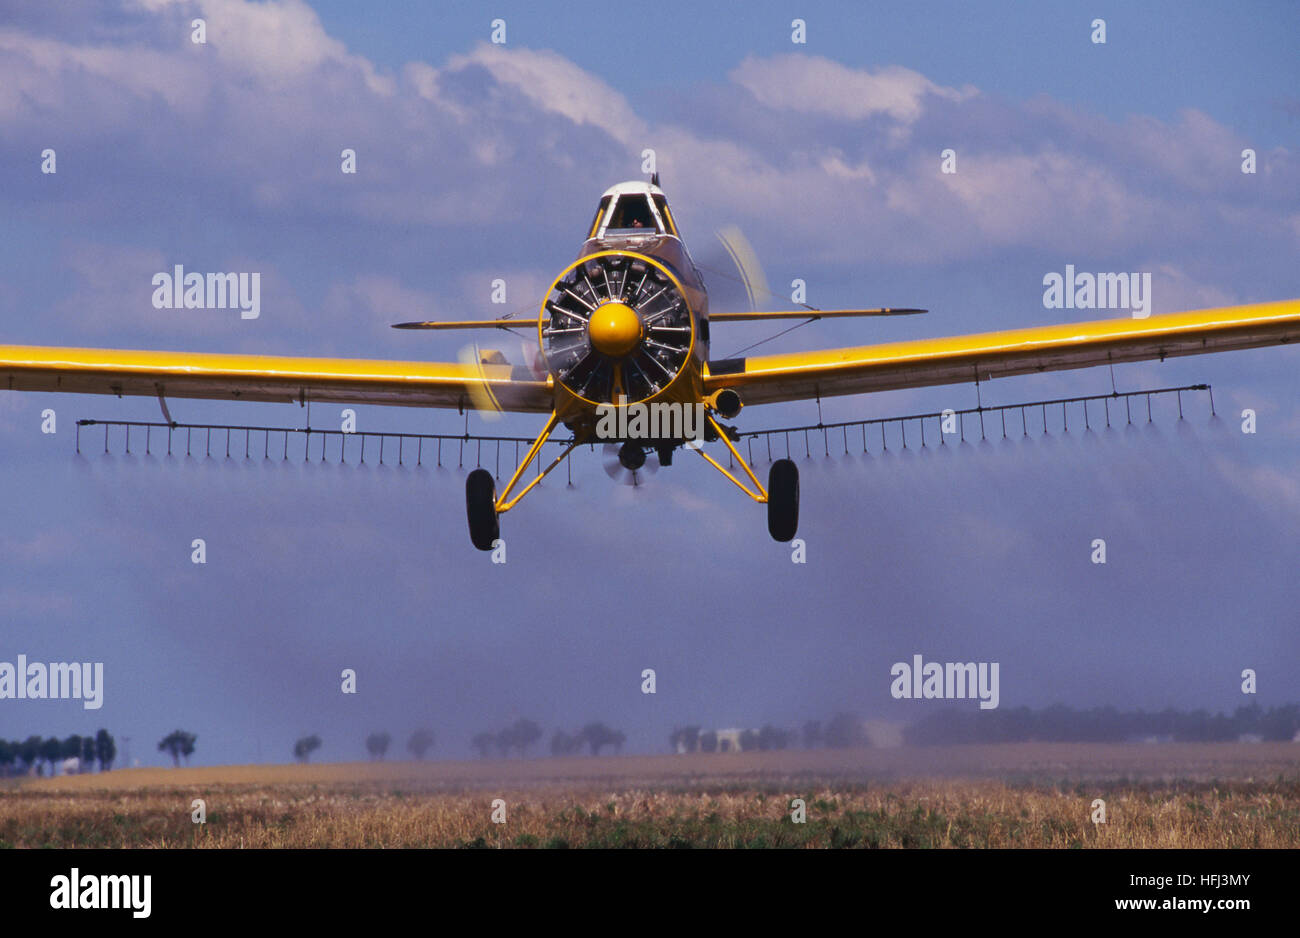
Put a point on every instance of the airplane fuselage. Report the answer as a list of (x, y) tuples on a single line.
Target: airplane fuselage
[(627, 323)]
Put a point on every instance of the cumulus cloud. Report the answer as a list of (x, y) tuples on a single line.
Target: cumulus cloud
[(556, 85), (816, 85), (111, 291)]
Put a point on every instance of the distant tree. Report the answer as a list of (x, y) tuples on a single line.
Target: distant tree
[(1281, 723), (708, 741), (484, 742), (812, 734), (72, 748), (691, 737), (377, 745), (8, 755), (1196, 726), (1059, 723), (105, 750), (748, 741), (178, 743), (504, 740), (1248, 719), (769, 737), (87, 753), (844, 730), (518, 736), (29, 750), (52, 751), (685, 739), (421, 741), (304, 747), (525, 733), (597, 736), (562, 744)]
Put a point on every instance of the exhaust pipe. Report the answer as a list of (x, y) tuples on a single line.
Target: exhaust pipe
[(727, 403)]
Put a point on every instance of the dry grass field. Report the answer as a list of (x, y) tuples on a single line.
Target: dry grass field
[(1021, 795)]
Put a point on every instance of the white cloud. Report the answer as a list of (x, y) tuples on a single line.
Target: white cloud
[(249, 132), (557, 85), (112, 289), (1272, 488), (47, 75), (816, 85), (1173, 289)]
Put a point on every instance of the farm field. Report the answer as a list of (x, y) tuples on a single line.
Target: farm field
[(1014, 795)]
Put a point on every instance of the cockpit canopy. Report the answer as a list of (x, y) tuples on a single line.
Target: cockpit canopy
[(632, 209)]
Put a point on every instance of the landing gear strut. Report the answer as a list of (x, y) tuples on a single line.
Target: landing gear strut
[(482, 504), (781, 495)]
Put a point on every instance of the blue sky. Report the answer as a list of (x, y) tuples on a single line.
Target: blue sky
[(1159, 57), (479, 161)]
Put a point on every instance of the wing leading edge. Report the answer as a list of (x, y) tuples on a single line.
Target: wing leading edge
[(269, 378), (759, 316), (801, 375)]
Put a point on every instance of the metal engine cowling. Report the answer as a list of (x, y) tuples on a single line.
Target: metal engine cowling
[(616, 323)]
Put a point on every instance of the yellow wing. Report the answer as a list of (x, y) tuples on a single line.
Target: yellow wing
[(470, 324), (758, 316), (801, 375), (271, 378)]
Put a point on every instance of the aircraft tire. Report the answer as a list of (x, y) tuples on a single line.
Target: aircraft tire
[(480, 506), (783, 500)]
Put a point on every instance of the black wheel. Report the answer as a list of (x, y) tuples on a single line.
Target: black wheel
[(783, 500), (480, 505)]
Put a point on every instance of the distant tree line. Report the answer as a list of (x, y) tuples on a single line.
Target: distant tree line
[(419, 743), (842, 731), (518, 737), (696, 739), (523, 734), (594, 737), (36, 752), (1063, 724), (839, 732)]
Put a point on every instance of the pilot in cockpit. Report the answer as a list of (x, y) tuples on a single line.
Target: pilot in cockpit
[(633, 212)]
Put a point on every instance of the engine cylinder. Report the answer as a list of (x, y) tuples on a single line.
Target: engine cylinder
[(616, 324)]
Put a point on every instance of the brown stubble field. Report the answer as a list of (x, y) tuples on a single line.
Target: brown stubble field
[(1017, 795)]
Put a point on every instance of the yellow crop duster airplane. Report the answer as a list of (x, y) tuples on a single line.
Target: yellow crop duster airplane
[(627, 325)]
